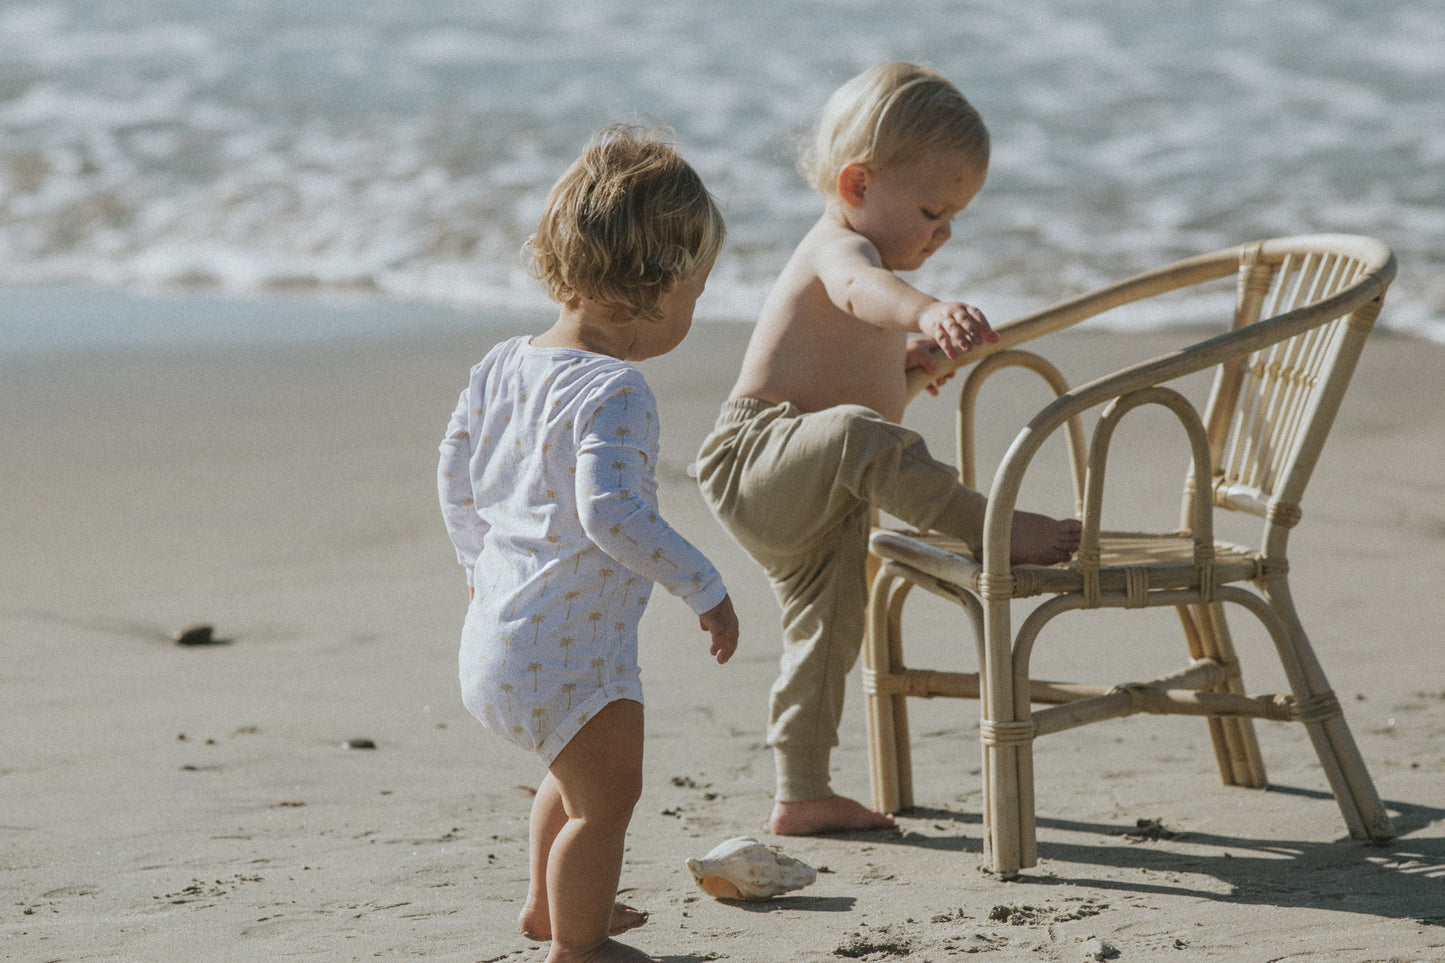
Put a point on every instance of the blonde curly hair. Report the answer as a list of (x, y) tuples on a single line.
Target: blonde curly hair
[(891, 113), (626, 221)]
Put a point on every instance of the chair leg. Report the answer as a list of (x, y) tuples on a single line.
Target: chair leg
[(1320, 712), (890, 761), (1006, 732), (1010, 832), (902, 745), (1236, 749)]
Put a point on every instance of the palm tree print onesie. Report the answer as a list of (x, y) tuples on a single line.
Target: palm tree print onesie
[(548, 490)]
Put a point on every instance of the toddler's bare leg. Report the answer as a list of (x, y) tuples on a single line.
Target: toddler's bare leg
[(599, 779), (548, 818)]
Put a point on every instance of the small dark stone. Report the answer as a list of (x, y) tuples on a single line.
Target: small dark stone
[(198, 635), (358, 744)]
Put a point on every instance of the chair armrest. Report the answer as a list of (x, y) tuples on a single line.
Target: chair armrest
[(1234, 344), (1057, 317), (968, 405), (1376, 259), (1202, 521)]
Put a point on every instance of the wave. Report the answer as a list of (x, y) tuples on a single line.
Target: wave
[(404, 152)]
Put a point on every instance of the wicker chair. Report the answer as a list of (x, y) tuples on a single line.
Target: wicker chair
[(1303, 309)]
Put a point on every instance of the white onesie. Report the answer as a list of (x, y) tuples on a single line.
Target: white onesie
[(548, 491)]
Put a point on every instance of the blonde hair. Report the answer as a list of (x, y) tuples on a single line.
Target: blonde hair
[(628, 219), (891, 113)]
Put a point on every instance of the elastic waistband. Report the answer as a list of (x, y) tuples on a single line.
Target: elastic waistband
[(737, 410)]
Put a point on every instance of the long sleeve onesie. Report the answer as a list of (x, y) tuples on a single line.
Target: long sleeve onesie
[(548, 490)]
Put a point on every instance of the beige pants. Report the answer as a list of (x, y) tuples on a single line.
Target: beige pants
[(797, 491)]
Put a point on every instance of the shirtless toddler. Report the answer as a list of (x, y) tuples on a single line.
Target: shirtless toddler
[(809, 442)]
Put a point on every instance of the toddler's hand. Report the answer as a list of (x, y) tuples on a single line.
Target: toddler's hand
[(722, 622), (920, 356), (956, 326)]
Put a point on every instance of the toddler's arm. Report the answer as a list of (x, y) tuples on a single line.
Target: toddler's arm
[(454, 488), (612, 474), (853, 274)]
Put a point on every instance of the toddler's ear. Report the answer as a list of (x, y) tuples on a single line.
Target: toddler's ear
[(853, 184)]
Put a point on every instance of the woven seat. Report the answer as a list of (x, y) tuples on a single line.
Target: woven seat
[(1280, 368), (1161, 561)]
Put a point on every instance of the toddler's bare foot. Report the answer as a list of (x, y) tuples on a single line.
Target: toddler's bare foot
[(609, 951), (536, 926), (1041, 540), (829, 815)]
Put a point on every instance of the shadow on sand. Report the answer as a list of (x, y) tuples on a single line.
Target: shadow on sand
[(1345, 875)]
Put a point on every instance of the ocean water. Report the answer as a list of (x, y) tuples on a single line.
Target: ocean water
[(394, 151)]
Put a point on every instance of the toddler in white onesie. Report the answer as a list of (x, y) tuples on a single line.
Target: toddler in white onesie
[(547, 484), (547, 481)]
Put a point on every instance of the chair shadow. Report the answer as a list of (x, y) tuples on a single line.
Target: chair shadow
[(1400, 879)]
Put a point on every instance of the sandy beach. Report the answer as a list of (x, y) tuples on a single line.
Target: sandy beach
[(166, 802)]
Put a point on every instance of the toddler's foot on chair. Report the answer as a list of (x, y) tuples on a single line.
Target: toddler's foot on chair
[(1041, 540), (536, 926), (831, 814)]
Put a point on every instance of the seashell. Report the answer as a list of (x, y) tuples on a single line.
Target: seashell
[(743, 868)]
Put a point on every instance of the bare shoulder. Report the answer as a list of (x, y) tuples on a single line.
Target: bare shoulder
[(828, 251), (832, 243)]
